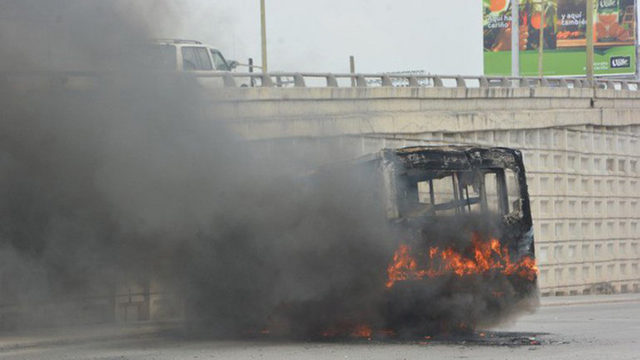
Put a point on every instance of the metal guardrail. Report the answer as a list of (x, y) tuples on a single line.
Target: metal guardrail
[(320, 80), (432, 81)]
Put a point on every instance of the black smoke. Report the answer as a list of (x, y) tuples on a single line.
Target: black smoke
[(119, 174), (130, 177), (102, 161)]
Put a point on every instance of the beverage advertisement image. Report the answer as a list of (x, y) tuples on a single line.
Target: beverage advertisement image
[(563, 26)]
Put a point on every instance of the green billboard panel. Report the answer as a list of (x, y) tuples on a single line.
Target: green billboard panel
[(563, 26)]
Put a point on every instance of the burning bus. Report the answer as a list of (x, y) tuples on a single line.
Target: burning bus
[(464, 238), (466, 218)]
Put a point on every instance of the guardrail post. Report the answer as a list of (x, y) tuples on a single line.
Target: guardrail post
[(524, 82), (229, 81), (484, 83), (253, 80), (505, 82), (386, 81), (610, 85), (564, 83), (298, 80), (460, 82), (624, 85), (437, 81), (361, 81), (332, 81), (267, 81), (413, 81)]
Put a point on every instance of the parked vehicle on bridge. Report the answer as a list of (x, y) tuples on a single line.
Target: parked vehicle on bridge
[(194, 57)]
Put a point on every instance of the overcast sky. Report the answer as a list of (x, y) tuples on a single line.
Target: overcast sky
[(442, 37)]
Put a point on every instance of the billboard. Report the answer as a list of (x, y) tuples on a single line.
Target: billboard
[(563, 28)]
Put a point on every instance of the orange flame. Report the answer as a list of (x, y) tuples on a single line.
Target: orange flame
[(343, 330), (485, 257), (362, 331)]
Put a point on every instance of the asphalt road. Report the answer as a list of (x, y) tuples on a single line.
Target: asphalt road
[(563, 328)]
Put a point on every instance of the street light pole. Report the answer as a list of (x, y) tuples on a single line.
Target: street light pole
[(263, 23), (515, 38), (589, 65), (541, 42)]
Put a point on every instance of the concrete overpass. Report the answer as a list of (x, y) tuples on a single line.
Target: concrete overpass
[(580, 142)]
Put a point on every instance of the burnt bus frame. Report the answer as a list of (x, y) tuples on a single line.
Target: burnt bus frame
[(399, 165), (391, 167)]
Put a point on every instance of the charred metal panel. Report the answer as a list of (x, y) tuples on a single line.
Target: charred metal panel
[(416, 164)]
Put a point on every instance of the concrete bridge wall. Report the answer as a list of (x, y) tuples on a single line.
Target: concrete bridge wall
[(581, 149)]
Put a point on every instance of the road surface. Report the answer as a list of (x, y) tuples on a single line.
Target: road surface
[(563, 328)]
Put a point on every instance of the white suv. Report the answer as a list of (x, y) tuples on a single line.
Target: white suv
[(191, 55)]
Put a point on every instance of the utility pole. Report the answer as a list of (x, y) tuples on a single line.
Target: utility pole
[(263, 23), (515, 38), (541, 43), (589, 64)]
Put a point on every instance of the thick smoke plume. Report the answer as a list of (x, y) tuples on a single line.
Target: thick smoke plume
[(128, 176), (102, 171)]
